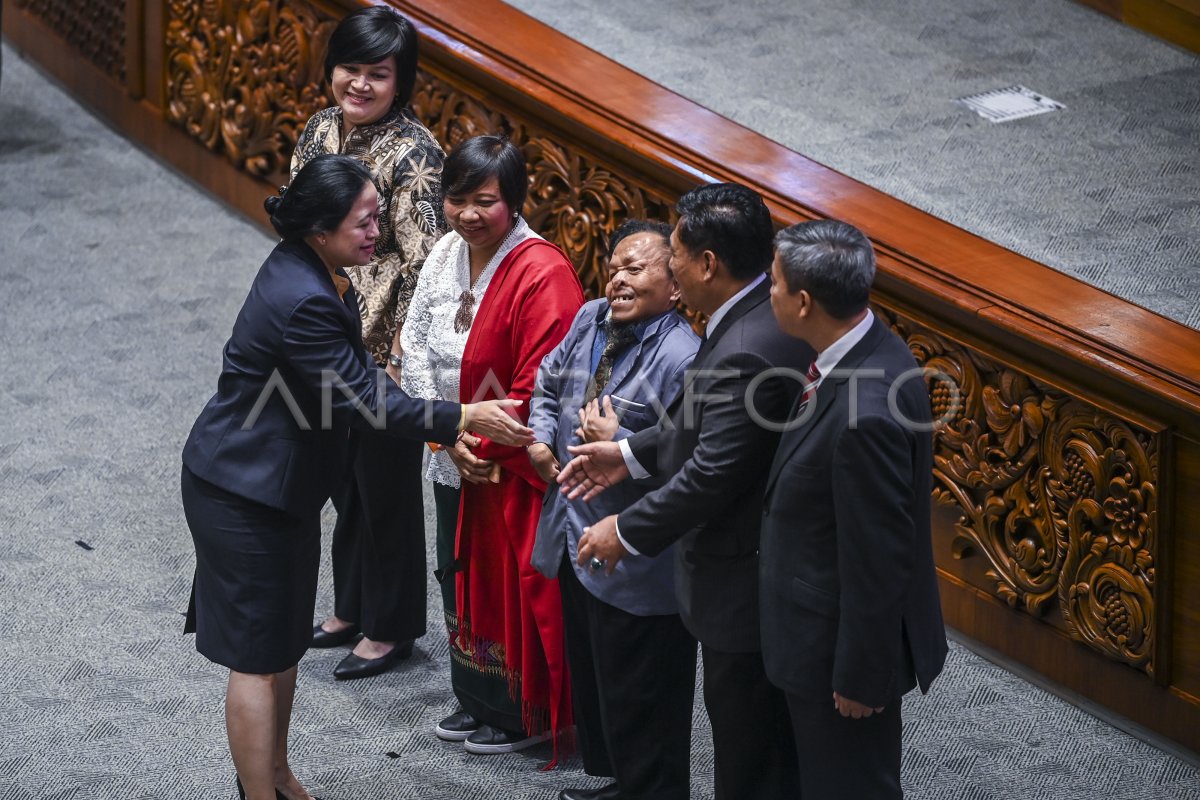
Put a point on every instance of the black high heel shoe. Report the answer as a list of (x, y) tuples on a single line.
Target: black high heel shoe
[(352, 667), (242, 792), (324, 638)]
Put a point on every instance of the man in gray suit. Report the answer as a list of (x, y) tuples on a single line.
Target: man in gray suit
[(849, 598), (632, 662)]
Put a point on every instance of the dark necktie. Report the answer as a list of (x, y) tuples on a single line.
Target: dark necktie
[(619, 337), (810, 389), (703, 349)]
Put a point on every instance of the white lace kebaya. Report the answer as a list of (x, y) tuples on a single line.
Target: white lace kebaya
[(433, 349)]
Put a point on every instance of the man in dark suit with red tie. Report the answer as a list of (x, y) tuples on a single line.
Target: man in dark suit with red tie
[(850, 612), (711, 457)]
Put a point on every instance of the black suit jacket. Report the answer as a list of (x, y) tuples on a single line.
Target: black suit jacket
[(294, 379), (714, 457), (849, 594)]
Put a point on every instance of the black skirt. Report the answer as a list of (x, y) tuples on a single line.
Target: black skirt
[(255, 588)]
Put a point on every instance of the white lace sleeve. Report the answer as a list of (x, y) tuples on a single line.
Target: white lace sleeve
[(416, 375), (419, 373)]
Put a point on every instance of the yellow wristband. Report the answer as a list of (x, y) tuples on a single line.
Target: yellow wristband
[(462, 418)]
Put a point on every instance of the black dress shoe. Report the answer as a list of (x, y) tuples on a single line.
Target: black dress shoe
[(324, 638), (353, 667), (456, 727), (609, 792)]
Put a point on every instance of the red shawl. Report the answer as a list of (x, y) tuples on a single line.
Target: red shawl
[(502, 600)]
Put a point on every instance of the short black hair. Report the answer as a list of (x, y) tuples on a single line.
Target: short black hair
[(732, 221), (833, 261), (370, 35), (481, 158), (631, 227), (319, 197)]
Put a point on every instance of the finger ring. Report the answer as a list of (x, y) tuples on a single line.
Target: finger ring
[(596, 564)]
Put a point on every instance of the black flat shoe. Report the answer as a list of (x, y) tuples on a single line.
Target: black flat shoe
[(456, 727), (353, 667), (603, 793), (489, 740), (323, 638)]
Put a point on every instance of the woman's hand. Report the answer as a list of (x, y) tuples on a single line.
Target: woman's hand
[(597, 427), (393, 373), (493, 419), (543, 460), (472, 469)]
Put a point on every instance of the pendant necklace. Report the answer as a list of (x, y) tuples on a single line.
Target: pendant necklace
[(465, 315)]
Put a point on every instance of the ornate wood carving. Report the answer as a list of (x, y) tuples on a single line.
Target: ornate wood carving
[(453, 116), (95, 28), (242, 77), (1058, 496), (575, 199), (578, 202)]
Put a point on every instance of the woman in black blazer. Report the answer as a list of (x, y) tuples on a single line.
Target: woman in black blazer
[(269, 447)]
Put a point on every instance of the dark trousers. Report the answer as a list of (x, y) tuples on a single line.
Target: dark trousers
[(846, 758), (379, 541), (753, 746), (632, 684)]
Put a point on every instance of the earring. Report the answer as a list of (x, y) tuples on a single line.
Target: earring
[(322, 241), (516, 214)]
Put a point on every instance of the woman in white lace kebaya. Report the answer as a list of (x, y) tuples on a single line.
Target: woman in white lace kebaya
[(492, 300)]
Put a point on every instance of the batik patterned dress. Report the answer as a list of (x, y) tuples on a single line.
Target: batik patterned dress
[(406, 164), (378, 546)]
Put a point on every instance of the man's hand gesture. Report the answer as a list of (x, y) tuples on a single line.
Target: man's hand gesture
[(595, 467)]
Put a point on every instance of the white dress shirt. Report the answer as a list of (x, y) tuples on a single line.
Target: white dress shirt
[(830, 357)]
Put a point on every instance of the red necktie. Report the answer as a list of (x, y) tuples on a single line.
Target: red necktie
[(810, 388)]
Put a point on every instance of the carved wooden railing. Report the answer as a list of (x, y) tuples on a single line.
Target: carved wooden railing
[(1067, 523)]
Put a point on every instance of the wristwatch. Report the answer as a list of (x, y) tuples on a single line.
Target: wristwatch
[(395, 360)]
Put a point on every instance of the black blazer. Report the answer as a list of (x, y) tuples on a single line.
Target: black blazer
[(264, 435), (714, 458), (849, 594)]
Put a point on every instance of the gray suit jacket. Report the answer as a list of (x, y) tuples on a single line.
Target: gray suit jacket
[(643, 381)]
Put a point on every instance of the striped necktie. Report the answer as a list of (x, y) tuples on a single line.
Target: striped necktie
[(810, 388)]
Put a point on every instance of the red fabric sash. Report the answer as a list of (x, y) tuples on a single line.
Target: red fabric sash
[(506, 607)]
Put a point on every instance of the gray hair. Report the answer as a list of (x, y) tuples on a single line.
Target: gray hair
[(831, 260)]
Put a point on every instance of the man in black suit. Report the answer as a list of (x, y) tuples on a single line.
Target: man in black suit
[(712, 457), (850, 612)]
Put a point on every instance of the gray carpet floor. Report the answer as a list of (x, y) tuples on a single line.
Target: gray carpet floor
[(120, 282), (1107, 190)]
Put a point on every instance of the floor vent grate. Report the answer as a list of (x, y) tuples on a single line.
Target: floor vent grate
[(1012, 102)]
